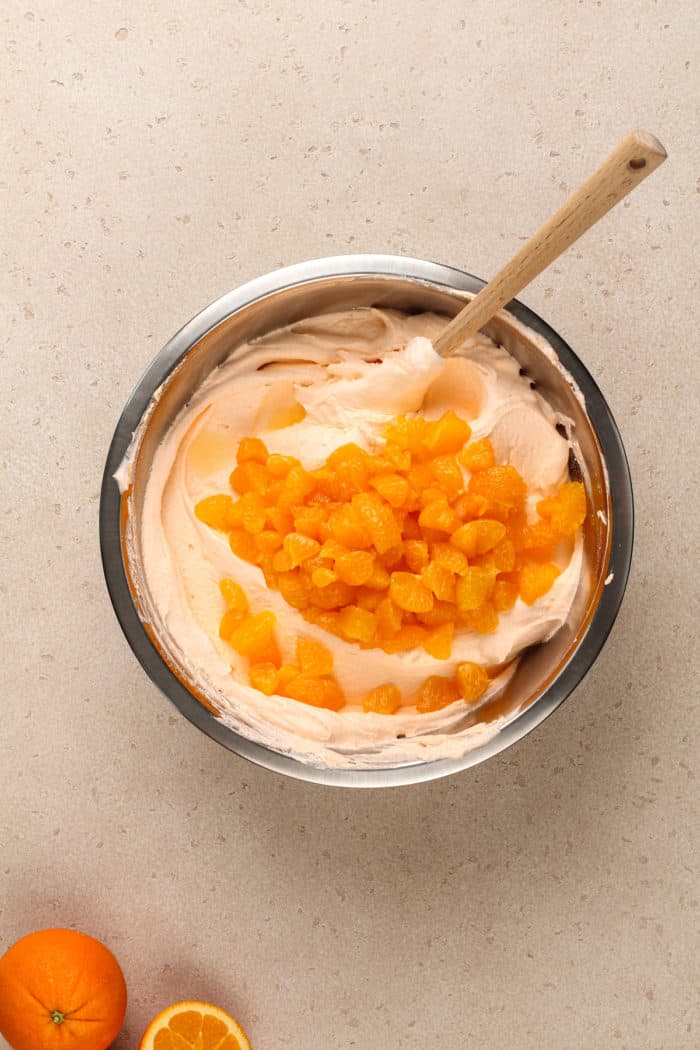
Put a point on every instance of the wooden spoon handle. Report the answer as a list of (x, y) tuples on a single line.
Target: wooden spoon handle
[(629, 164)]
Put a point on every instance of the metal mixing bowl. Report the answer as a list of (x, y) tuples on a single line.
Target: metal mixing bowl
[(548, 673)]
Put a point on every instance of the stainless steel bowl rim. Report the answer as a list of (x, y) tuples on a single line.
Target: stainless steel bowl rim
[(435, 274)]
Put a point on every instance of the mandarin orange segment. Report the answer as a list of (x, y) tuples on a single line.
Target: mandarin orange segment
[(447, 434), (438, 644), (234, 595), (243, 545), (252, 448), (472, 681), (313, 657), (536, 580), (407, 433), (383, 699), (218, 512), (357, 624), (249, 476), (438, 515), (448, 475), (504, 595), (440, 581), (299, 548), (416, 554), (499, 485), (478, 455), (474, 587), (263, 677), (295, 589), (452, 559), (410, 593), (323, 577), (376, 517), (354, 567), (483, 620), (315, 691), (567, 510), (389, 618), (409, 637), (392, 487), (477, 537), (435, 693), (253, 634)]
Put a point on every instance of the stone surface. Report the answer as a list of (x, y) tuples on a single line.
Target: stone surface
[(156, 155)]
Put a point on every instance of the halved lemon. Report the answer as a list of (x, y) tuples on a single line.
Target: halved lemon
[(200, 1026)]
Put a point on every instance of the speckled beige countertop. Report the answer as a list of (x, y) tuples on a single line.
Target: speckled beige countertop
[(158, 154)]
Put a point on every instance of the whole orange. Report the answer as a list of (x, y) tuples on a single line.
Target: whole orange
[(60, 989)]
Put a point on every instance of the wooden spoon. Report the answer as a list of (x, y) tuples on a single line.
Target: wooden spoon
[(629, 164)]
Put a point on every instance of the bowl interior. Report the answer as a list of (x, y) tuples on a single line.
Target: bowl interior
[(196, 353)]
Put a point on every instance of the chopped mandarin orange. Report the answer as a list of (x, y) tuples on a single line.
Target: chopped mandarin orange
[(409, 592), (474, 587), (483, 620), (253, 635), (477, 456), (406, 638), (536, 580), (504, 595), (299, 548), (297, 485), (440, 581), (389, 618), (448, 475), (439, 642), (477, 537), (253, 512), (438, 515), (313, 657), (358, 625), (347, 529), (323, 577), (251, 448), (279, 466), (249, 476), (354, 567), (234, 595), (472, 681), (263, 677), (324, 618), (231, 619), (452, 559), (539, 539), (368, 599), (308, 520), (441, 613), (318, 692), (416, 554), (280, 519), (218, 512), (334, 596), (383, 699), (469, 506), (391, 487), (567, 510), (391, 557), (376, 517), (436, 693), (447, 434), (499, 485), (379, 580), (281, 562), (243, 545), (407, 433), (504, 556), (294, 588), (268, 541), (286, 673)]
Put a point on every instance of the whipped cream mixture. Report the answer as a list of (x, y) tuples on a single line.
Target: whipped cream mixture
[(351, 372)]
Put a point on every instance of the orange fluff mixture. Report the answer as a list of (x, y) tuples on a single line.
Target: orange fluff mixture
[(396, 548)]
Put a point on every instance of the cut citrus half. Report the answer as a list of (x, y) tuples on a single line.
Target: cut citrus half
[(199, 1026)]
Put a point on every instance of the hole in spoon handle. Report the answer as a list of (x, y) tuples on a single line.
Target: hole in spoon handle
[(637, 163)]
